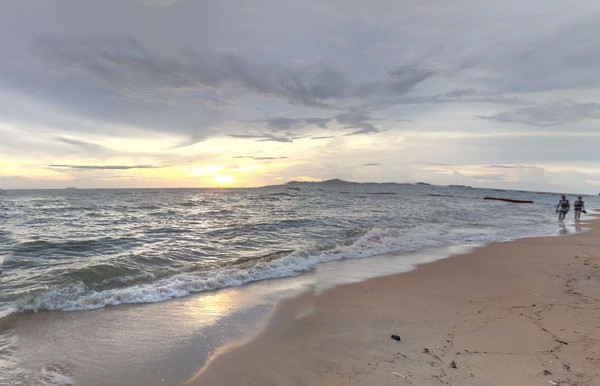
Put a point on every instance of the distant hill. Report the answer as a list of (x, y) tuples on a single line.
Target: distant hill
[(338, 182), (335, 181)]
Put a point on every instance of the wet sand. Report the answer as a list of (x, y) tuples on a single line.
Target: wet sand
[(518, 313)]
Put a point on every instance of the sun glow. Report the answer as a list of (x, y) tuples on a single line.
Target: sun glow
[(223, 179)]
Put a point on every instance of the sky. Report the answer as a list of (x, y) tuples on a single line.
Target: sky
[(236, 93)]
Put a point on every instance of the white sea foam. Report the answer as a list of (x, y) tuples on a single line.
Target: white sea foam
[(77, 296), (54, 375), (377, 241)]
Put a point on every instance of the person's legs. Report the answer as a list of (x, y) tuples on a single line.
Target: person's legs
[(562, 214)]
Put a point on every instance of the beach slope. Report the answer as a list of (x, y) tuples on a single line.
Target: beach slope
[(518, 313)]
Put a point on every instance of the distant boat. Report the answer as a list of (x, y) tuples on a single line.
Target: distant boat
[(509, 200)]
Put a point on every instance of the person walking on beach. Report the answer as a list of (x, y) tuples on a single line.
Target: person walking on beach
[(562, 207), (579, 207)]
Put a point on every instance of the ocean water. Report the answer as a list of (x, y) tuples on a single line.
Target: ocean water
[(84, 250)]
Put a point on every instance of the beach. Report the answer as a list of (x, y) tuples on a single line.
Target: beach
[(517, 313), (295, 287)]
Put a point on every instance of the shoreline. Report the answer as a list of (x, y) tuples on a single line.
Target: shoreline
[(529, 305)]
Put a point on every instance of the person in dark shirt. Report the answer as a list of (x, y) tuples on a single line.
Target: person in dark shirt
[(579, 207), (562, 207)]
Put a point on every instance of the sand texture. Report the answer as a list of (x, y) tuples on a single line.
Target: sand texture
[(518, 313)]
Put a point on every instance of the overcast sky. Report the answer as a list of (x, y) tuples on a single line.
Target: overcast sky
[(191, 93)]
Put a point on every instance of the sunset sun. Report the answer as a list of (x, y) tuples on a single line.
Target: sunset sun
[(223, 179)]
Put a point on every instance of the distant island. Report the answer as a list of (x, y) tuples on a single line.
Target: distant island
[(338, 182), (344, 186)]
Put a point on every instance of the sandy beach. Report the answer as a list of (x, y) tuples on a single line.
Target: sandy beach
[(517, 313)]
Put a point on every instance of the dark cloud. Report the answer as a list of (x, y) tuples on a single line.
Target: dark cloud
[(362, 128), (82, 145), (436, 163), (183, 93), (530, 148), (311, 89), (357, 120), (397, 82), (475, 96), (269, 158), (160, 91), (134, 72), (158, 3), (501, 166), (258, 158), (549, 114), (283, 123), (126, 67), (277, 126), (563, 58), (268, 137), (104, 167), (404, 79), (509, 167), (353, 117)]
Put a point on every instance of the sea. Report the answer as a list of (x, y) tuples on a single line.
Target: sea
[(142, 286)]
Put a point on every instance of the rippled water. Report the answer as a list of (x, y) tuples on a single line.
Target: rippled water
[(85, 249)]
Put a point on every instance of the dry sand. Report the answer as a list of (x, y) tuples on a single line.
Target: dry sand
[(519, 313)]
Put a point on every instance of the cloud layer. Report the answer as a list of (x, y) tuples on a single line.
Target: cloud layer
[(312, 88)]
